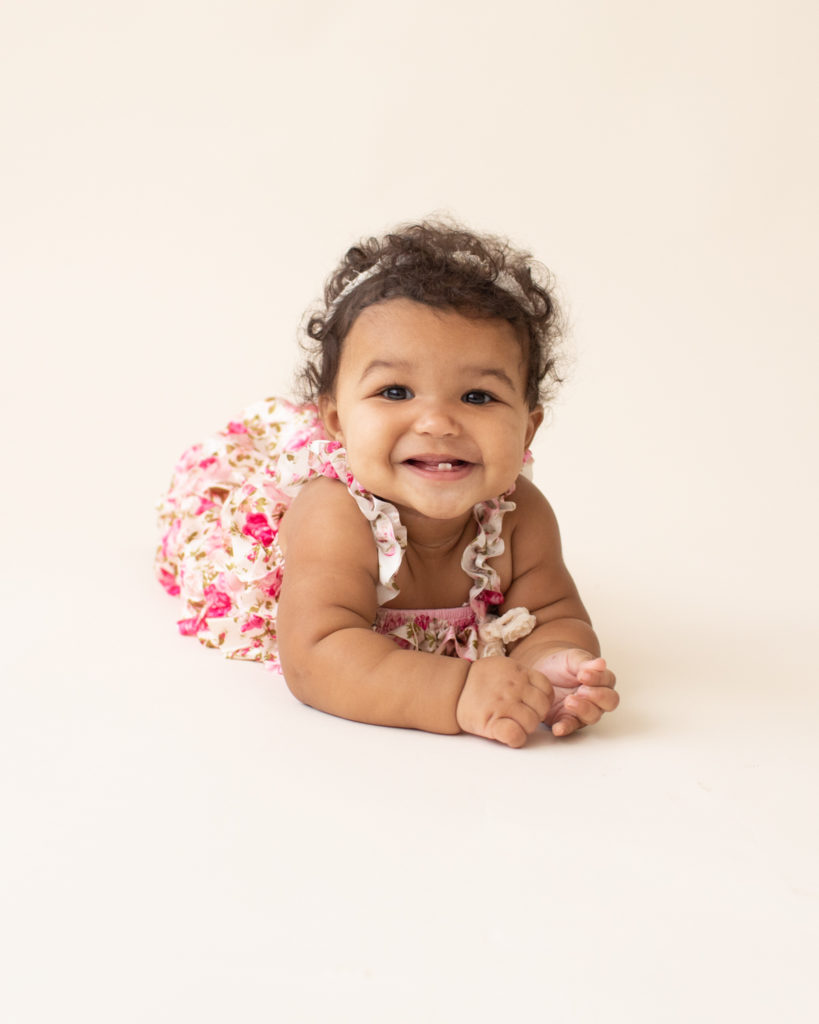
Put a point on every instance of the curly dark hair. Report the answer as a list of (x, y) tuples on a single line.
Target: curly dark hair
[(443, 265)]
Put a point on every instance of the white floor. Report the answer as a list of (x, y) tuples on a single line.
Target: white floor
[(184, 841), (180, 839)]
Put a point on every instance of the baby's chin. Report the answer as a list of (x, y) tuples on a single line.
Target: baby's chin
[(450, 510)]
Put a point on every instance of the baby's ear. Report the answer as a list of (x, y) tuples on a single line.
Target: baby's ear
[(328, 411), (535, 419)]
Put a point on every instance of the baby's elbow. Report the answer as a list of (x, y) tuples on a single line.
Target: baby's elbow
[(296, 673), (309, 669)]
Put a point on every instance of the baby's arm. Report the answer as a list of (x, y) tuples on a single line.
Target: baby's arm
[(563, 644), (333, 661)]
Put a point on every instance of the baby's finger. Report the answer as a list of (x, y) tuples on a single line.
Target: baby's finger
[(525, 716), (586, 712), (565, 725), (602, 696), (595, 673), (506, 730), (542, 682), (539, 701), (582, 659)]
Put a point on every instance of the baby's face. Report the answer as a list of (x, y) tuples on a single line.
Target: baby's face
[(431, 407)]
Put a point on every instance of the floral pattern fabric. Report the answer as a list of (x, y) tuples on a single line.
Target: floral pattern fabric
[(219, 551)]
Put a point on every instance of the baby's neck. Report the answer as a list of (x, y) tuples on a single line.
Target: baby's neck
[(436, 538)]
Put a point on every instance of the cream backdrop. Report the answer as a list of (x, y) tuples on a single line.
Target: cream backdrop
[(181, 839)]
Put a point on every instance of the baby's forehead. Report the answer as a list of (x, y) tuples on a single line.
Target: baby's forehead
[(399, 317), (409, 333)]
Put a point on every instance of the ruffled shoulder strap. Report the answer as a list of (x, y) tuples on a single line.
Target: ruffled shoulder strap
[(329, 459), (488, 543)]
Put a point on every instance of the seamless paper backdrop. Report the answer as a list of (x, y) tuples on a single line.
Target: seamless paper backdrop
[(183, 838)]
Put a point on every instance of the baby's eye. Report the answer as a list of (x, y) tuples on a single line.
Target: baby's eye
[(396, 393), (477, 398)]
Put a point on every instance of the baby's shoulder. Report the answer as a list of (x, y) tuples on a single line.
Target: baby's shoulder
[(323, 522), (532, 526), (531, 505)]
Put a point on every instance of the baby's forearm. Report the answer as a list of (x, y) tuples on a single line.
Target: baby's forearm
[(556, 635), (356, 674)]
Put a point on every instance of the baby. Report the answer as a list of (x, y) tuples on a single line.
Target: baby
[(378, 543)]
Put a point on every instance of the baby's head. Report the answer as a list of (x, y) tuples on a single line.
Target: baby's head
[(446, 267)]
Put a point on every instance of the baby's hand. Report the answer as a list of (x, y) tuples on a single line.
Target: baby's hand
[(583, 689), (503, 700)]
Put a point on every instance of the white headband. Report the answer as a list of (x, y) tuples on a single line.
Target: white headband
[(503, 280)]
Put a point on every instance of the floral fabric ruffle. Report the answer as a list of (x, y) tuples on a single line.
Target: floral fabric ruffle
[(219, 547)]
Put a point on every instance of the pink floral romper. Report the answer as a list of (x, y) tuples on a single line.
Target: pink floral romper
[(219, 551)]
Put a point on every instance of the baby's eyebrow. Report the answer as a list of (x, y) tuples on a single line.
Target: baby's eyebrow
[(385, 364), (491, 371)]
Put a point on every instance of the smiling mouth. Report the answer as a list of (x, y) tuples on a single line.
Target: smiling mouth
[(436, 465)]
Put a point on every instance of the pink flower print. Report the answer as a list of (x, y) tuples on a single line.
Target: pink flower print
[(235, 427), (188, 627), (299, 440), (333, 446), (219, 603), (188, 459), (258, 527), (402, 643), (328, 471), (230, 583), (254, 622), (422, 622), (214, 541), (204, 505), (392, 620), (492, 597), (168, 581), (211, 460), (274, 583)]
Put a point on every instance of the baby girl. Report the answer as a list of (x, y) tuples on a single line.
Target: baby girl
[(379, 543)]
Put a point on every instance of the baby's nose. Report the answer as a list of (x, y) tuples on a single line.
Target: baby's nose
[(438, 420)]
